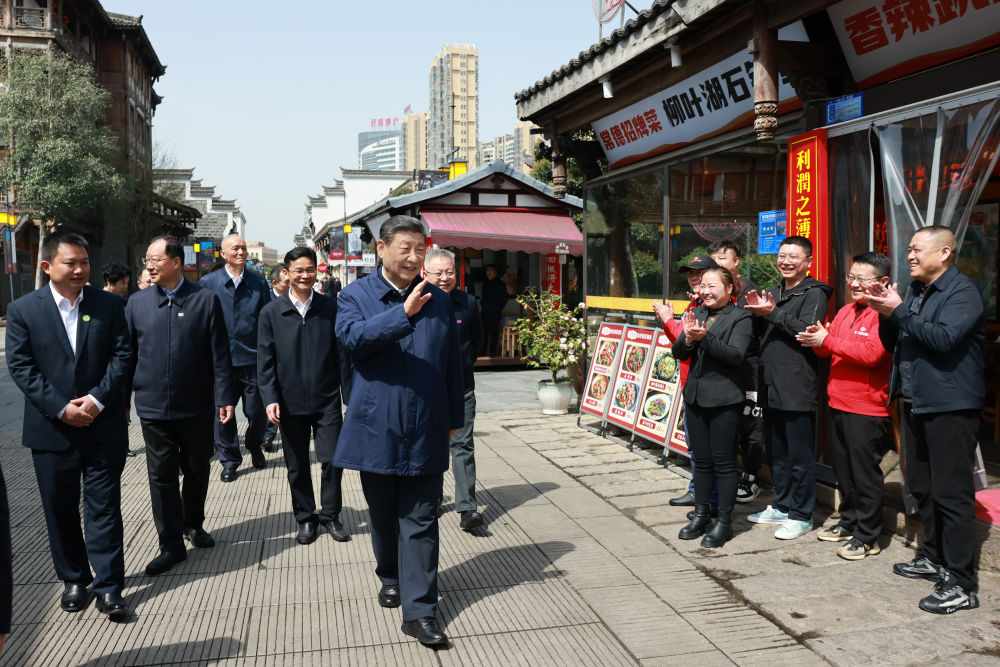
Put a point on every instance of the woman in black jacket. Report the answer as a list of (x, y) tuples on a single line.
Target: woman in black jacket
[(715, 338)]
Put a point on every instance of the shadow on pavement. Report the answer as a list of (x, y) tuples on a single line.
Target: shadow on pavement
[(213, 649), (509, 496)]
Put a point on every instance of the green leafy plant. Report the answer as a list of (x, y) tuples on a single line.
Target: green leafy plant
[(552, 335)]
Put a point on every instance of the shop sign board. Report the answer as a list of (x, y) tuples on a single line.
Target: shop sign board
[(661, 393), (9, 250), (602, 367), (190, 257), (367, 259), (808, 213), (552, 275), (633, 362), (844, 108), (771, 230), (338, 243), (887, 39), (716, 100)]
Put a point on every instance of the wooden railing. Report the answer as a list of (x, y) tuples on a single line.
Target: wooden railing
[(29, 17)]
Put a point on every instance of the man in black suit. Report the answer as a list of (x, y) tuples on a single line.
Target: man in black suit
[(68, 351), (299, 368), (182, 369)]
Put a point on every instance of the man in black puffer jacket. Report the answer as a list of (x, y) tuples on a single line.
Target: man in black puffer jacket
[(792, 390)]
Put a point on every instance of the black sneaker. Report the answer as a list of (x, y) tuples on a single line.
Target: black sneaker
[(948, 597), (921, 567), (747, 489)]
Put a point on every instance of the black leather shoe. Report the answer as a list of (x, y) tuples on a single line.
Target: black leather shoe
[(164, 562), (228, 474), (267, 446), (721, 530), (257, 459), (130, 453), (715, 512), (699, 524), (74, 598), (199, 538), (113, 605), (470, 519), (307, 532), (687, 500), (388, 597), (337, 530), (426, 631)]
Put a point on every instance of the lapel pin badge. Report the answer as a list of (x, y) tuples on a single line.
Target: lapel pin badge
[(86, 318), (180, 314)]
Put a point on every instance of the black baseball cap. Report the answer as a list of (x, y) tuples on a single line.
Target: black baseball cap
[(699, 263)]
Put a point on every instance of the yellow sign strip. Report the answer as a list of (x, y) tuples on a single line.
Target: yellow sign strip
[(629, 305)]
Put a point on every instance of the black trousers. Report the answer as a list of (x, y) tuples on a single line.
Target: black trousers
[(227, 439), (713, 436), (791, 446), (325, 429), (6, 567), (857, 445), (404, 529), (172, 445), (101, 541), (939, 454), (491, 332), (752, 430)]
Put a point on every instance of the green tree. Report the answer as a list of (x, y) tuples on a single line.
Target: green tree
[(60, 156)]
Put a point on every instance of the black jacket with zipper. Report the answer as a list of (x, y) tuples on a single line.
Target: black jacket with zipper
[(789, 367), (300, 365), (717, 359)]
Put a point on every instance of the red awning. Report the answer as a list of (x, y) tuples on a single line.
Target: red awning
[(504, 230)]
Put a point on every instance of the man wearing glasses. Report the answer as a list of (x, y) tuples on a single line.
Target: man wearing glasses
[(182, 369), (299, 369), (784, 311), (439, 267)]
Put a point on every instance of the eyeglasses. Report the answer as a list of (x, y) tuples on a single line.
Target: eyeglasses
[(150, 261), (437, 274), (794, 259), (303, 272), (864, 282)]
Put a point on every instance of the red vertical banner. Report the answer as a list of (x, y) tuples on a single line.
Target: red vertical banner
[(552, 274), (808, 210)]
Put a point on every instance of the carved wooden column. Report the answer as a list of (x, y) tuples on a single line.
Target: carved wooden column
[(764, 47), (558, 169)]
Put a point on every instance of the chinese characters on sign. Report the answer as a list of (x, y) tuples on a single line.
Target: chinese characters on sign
[(807, 197), (771, 231), (886, 39), (552, 275), (385, 123), (602, 369), (631, 376), (717, 99)]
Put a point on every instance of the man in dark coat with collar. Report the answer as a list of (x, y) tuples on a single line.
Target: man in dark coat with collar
[(298, 361), (439, 267), (242, 294), (406, 402), (68, 351), (182, 383), (938, 371)]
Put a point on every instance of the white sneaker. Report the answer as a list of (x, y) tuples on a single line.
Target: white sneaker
[(769, 515), (747, 489), (791, 529)]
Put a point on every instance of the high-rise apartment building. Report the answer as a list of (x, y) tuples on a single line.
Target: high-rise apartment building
[(453, 124), (380, 150), (415, 140)]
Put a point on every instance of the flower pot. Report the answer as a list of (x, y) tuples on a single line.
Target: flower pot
[(555, 397)]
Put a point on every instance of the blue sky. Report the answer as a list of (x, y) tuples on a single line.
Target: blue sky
[(265, 100)]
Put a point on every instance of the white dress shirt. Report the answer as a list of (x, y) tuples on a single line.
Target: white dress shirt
[(236, 279), (302, 307), (69, 312)]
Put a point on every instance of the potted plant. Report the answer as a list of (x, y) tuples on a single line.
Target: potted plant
[(555, 337)]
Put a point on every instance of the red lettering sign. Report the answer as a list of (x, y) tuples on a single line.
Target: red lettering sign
[(808, 213)]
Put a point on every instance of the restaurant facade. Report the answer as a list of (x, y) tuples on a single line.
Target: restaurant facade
[(852, 123)]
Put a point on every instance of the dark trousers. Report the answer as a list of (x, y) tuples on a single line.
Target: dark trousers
[(857, 445), (6, 566), (101, 542), (404, 530), (270, 431), (791, 439), (751, 432), (713, 434), (185, 445), (939, 454), (463, 459), (227, 440), (491, 333), (325, 429)]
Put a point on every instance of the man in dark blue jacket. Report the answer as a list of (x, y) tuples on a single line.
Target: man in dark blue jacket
[(68, 351), (242, 294), (182, 370), (938, 370), (440, 270), (406, 402), (298, 361)]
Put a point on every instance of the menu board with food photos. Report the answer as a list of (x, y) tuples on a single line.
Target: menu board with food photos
[(660, 395), (602, 368), (633, 361), (678, 439)]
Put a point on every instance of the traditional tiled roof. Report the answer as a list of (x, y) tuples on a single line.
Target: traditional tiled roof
[(125, 21), (170, 174), (133, 24), (631, 26), (376, 173)]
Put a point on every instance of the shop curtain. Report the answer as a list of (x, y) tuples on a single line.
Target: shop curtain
[(934, 168), (850, 200)]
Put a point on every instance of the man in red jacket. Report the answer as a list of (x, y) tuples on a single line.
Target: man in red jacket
[(860, 429)]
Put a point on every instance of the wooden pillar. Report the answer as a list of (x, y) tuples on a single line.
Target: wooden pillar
[(764, 47), (558, 169)]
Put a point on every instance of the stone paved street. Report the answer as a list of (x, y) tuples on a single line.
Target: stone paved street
[(579, 565)]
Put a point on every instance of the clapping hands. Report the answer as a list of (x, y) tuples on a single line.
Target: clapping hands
[(693, 329), (758, 305), (664, 311), (884, 299), (814, 335)]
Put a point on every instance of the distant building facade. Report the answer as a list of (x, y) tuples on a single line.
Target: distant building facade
[(380, 153), (260, 254), (415, 140), (453, 122), (219, 217)]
